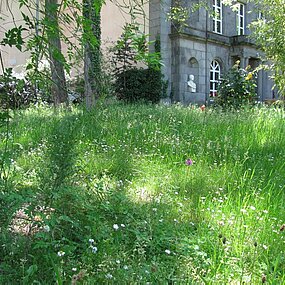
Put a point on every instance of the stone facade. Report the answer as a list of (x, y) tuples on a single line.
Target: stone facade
[(206, 49)]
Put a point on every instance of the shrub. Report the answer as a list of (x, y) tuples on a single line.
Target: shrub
[(140, 85), (137, 84), (237, 88), (15, 93)]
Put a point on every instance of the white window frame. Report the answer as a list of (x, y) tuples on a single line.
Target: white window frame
[(215, 76), (218, 16), (261, 16), (241, 19)]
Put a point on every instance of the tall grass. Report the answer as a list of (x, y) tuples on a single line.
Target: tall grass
[(106, 197)]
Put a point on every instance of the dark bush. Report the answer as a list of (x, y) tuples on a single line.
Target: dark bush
[(15, 93), (136, 84)]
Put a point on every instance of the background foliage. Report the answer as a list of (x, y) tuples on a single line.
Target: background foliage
[(135, 85), (237, 88), (268, 32)]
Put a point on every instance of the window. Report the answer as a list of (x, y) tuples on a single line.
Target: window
[(215, 75), (261, 16), (240, 19), (218, 16)]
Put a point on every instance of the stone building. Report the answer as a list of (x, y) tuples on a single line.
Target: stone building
[(196, 57)]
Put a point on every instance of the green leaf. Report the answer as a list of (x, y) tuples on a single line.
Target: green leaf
[(32, 270)]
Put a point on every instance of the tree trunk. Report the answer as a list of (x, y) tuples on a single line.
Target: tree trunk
[(58, 90), (92, 55)]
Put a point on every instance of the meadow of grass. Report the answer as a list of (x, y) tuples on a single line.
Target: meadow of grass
[(105, 196)]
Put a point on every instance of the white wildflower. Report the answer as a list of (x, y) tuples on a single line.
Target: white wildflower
[(109, 276), (115, 227), (94, 249), (46, 228), (61, 253), (167, 251), (196, 247)]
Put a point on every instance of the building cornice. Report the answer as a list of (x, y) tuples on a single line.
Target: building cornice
[(210, 37)]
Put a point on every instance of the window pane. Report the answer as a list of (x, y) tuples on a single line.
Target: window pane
[(217, 16), (241, 9)]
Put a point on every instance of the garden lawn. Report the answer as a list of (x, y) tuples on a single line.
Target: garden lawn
[(138, 194)]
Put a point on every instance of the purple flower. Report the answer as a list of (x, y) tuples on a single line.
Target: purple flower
[(188, 161)]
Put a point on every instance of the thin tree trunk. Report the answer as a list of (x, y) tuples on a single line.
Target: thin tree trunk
[(90, 100), (59, 90), (92, 55)]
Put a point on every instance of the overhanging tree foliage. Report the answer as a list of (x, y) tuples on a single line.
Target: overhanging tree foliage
[(269, 31)]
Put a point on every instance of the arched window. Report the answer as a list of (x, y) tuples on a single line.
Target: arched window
[(215, 75)]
